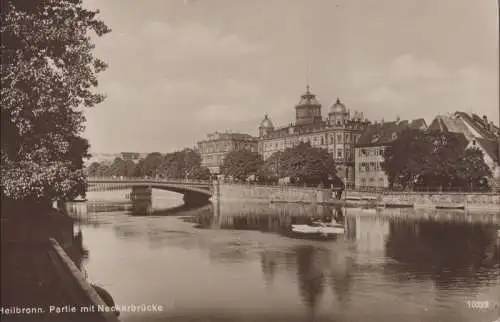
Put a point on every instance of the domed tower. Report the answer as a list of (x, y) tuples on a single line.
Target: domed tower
[(265, 127), (308, 110), (338, 113)]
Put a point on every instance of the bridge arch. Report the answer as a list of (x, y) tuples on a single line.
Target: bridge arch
[(194, 191)]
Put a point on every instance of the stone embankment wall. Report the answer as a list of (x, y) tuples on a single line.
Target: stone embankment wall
[(470, 201), (288, 194), (256, 193)]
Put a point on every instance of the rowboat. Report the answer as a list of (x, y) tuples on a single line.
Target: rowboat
[(319, 228)]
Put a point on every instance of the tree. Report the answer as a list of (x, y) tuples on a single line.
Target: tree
[(270, 171), (200, 173), (120, 168), (306, 164), (405, 157), (241, 164), (472, 171), (48, 75), (97, 169), (185, 164), (434, 161), (150, 165)]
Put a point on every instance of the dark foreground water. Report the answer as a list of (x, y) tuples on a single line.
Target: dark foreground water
[(237, 262)]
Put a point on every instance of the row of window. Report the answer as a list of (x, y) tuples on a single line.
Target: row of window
[(316, 140), (226, 147), (369, 166), (365, 180), (364, 152)]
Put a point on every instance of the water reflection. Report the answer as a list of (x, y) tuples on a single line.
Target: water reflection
[(310, 276), (389, 263), (277, 218), (446, 252)]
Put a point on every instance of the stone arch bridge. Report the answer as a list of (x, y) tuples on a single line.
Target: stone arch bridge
[(194, 191)]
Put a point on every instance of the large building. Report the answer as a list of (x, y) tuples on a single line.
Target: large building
[(370, 151), (217, 145), (338, 132), (479, 132)]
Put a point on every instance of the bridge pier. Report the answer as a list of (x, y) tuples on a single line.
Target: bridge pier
[(141, 198)]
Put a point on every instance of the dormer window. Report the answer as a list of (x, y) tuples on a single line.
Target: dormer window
[(473, 142)]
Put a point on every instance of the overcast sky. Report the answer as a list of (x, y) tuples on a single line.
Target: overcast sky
[(179, 69)]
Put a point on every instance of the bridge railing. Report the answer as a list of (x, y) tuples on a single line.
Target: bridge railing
[(145, 179)]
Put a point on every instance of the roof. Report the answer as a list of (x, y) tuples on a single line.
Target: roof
[(382, 134), (229, 136), (490, 147), (486, 129), (308, 99), (447, 123), (266, 123), (338, 107), (457, 123)]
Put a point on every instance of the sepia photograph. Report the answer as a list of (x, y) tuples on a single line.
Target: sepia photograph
[(250, 161)]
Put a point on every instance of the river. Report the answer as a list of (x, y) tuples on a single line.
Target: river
[(236, 262)]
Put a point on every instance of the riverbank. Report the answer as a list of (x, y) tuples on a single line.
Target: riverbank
[(40, 273), (306, 195)]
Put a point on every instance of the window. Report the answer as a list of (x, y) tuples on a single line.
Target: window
[(339, 154), (339, 137), (322, 141)]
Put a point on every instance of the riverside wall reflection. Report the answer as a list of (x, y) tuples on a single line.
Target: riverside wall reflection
[(444, 246)]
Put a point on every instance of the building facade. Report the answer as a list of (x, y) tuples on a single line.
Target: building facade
[(337, 133), (217, 145), (369, 152)]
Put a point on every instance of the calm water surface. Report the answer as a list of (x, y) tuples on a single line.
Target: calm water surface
[(237, 262)]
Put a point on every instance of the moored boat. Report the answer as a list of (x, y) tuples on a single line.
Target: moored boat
[(319, 229)]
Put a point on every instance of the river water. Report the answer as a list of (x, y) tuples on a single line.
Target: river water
[(237, 262)]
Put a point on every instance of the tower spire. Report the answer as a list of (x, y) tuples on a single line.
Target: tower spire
[(308, 76)]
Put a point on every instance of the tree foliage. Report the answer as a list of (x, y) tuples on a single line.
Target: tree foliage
[(435, 160), (271, 171), (241, 164), (185, 164), (48, 76), (307, 164)]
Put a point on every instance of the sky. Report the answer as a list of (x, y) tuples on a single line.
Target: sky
[(180, 69)]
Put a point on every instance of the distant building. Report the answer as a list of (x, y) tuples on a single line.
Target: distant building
[(104, 158), (370, 151), (336, 133), (479, 132), (217, 145), (130, 156)]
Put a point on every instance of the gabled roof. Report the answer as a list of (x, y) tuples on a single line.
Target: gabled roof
[(490, 147), (486, 129), (418, 124), (447, 123), (458, 122)]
